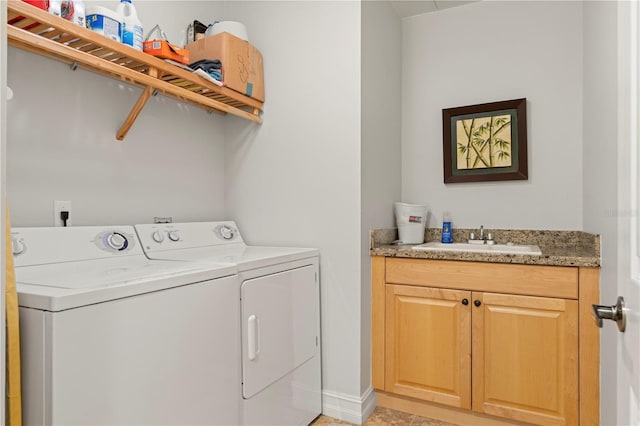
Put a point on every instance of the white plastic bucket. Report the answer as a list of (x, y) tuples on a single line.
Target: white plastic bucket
[(234, 28), (411, 220)]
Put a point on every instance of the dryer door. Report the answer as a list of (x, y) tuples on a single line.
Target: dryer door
[(280, 326)]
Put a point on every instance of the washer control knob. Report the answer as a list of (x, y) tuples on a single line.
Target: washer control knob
[(17, 246), (227, 232), (117, 241), (157, 236), (173, 235)]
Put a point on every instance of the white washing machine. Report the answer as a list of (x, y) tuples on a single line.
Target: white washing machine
[(109, 337), (280, 315)]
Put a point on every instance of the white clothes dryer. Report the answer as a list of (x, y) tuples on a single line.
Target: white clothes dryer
[(109, 337), (280, 315)]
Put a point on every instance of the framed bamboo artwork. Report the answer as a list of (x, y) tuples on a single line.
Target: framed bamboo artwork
[(485, 142)]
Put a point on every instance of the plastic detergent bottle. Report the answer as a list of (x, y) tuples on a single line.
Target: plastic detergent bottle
[(71, 10), (79, 13), (131, 25)]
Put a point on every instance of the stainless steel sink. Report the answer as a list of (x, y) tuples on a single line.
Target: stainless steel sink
[(481, 248)]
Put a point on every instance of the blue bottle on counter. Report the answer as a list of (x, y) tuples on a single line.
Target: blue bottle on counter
[(447, 236)]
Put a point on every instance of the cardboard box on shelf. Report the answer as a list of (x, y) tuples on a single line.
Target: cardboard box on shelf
[(241, 62)]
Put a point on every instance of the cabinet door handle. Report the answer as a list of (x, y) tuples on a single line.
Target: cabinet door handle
[(465, 302), (477, 302)]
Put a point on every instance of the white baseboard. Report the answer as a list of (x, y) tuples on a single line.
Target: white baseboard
[(347, 407)]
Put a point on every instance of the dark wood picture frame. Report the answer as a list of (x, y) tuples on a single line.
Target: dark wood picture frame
[(485, 142)]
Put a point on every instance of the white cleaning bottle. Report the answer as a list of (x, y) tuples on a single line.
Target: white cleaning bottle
[(131, 25), (79, 13)]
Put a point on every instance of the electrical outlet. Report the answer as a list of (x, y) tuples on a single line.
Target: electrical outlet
[(61, 206)]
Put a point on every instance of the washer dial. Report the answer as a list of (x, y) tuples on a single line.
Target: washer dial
[(116, 241), (173, 235)]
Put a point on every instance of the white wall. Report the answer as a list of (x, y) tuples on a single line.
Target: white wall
[(600, 171), (295, 180), (491, 51), (62, 146), (381, 161)]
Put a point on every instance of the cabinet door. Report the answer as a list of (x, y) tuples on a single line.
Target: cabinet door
[(428, 338), (525, 358)]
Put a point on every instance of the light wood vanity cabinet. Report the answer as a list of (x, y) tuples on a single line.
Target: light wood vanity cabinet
[(490, 339)]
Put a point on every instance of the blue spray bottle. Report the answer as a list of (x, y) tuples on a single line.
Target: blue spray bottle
[(447, 233)]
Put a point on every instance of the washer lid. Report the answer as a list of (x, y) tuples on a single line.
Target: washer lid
[(60, 286)]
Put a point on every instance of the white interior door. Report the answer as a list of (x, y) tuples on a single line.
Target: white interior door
[(628, 343)]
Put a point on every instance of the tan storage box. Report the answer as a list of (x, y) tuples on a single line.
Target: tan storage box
[(241, 62)]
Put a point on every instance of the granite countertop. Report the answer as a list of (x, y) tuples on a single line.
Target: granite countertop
[(559, 248)]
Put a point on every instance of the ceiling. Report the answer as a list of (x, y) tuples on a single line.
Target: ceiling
[(406, 8)]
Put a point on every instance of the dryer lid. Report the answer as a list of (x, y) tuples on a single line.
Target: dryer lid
[(245, 257)]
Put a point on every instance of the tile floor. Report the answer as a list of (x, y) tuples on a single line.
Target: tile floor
[(384, 417)]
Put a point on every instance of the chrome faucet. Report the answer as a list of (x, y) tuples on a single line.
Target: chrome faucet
[(472, 237), (482, 238)]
